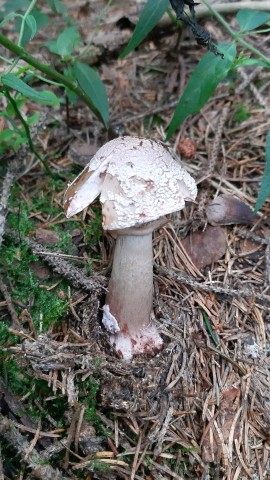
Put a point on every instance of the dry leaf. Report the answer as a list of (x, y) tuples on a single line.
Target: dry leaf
[(205, 247), (47, 237), (228, 210)]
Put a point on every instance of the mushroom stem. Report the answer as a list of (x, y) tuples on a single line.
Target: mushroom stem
[(130, 296)]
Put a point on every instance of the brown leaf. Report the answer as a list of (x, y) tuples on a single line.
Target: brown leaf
[(47, 237), (205, 247), (228, 210), (248, 247)]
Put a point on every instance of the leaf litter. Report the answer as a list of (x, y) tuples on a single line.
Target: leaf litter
[(200, 408)]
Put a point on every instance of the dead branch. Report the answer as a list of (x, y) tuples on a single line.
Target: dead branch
[(10, 307), (34, 461), (62, 267), (15, 169), (7, 184), (232, 292), (1, 466)]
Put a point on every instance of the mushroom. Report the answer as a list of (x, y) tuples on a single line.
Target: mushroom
[(139, 182)]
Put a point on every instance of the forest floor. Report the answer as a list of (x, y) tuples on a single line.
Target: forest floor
[(200, 409)]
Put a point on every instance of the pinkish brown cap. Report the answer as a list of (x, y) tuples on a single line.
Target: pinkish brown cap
[(138, 181)]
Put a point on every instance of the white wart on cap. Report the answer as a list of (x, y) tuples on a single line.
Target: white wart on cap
[(138, 181)]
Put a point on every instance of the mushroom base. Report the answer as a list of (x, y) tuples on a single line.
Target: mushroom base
[(147, 342), (129, 301)]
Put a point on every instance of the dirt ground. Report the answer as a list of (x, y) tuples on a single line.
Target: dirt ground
[(200, 409)]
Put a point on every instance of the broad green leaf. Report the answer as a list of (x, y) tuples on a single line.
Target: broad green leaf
[(10, 109), (32, 24), (52, 46), (150, 16), (94, 88), (6, 134), (8, 17), (33, 118), (41, 18), (29, 31), (264, 191), (72, 97), (15, 6), (57, 7), (45, 97), (251, 19), (204, 79), (67, 40)]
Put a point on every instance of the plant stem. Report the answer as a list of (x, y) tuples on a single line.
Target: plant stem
[(27, 132), (49, 71), (236, 36), (30, 7), (232, 7)]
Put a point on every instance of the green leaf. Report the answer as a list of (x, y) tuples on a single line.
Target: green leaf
[(45, 97), (67, 41), (264, 191), (57, 7), (52, 46), (72, 97), (94, 88), (10, 109), (30, 29), (33, 118), (8, 17), (248, 62), (32, 24), (6, 134), (204, 79), (150, 16), (251, 19), (41, 18), (15, 5)]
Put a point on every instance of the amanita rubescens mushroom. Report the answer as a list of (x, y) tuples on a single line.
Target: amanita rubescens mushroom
[(139, 182)]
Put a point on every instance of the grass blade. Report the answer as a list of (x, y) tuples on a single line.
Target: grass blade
[(93, 87), (264, 191), (210, 71), (150, 16)]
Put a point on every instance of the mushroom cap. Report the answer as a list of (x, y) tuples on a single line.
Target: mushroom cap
[(138, 181)]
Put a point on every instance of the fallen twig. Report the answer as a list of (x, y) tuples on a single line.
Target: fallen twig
[(10, 307), (14, 170), (61, 266), (11, 434), (187, 280), (7, 184), (1, 466)]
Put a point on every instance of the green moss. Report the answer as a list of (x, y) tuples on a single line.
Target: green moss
[(98, 466), (23, 383), (241, 113), (22, 217), (90, 388), (93, 230), (6, 338), (44, 304)]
